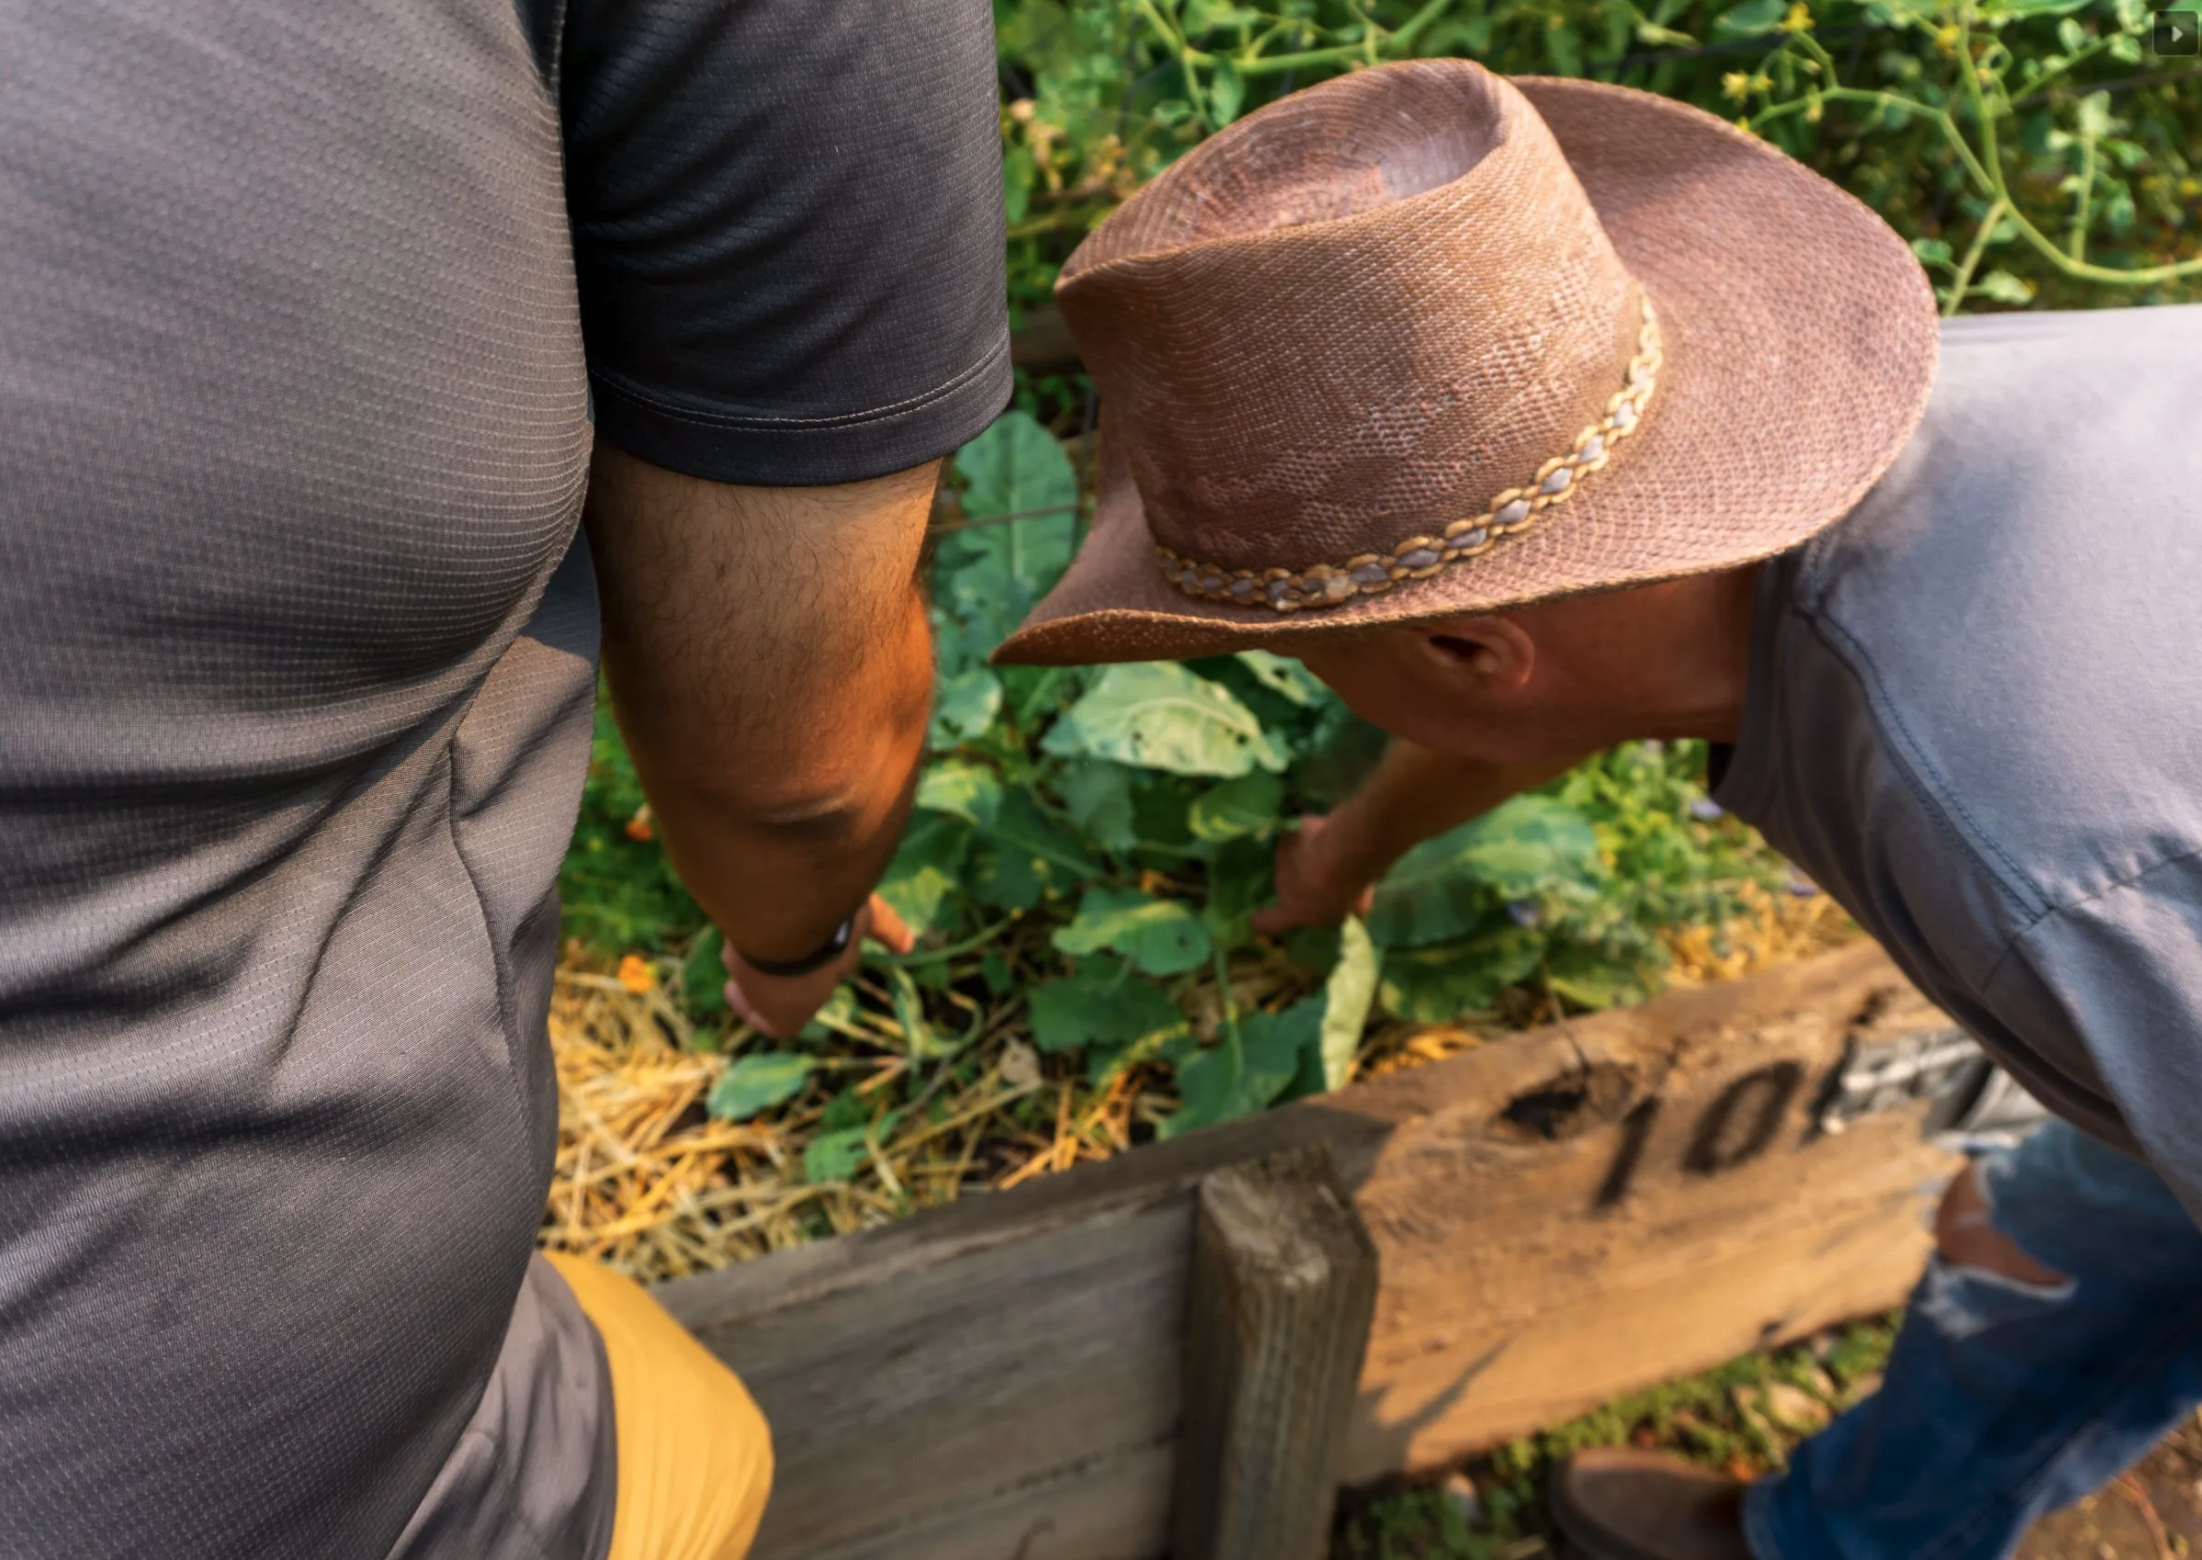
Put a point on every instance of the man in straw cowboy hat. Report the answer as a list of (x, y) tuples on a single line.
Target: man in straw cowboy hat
[(1535, 416)]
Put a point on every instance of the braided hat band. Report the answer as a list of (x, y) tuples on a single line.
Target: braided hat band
[(1514, 510)]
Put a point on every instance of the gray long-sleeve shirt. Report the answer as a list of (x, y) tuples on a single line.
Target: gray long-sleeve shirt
[(1975, 714)]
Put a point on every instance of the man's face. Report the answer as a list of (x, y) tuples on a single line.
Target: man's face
[(1441, 691)]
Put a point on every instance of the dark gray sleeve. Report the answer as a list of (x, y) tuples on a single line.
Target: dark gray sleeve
[(787, 220)]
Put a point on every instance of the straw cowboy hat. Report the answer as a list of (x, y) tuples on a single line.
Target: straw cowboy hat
[(1424, 341)]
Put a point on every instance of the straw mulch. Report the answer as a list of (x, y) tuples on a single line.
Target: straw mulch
[(647, 1182)]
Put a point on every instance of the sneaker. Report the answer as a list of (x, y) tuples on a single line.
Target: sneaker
[(1615, 1503)]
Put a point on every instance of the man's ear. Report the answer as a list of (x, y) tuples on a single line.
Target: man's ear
[(1494, 652)]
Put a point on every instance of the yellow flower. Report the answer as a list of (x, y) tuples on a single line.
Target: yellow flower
[(1799, 18), (636, 975), (1735, 85)]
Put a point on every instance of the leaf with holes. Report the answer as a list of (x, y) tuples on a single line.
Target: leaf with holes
[(1158, 715)]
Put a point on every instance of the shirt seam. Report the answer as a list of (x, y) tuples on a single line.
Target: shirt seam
[(737, 420), (2051, 912), (1947, 811)]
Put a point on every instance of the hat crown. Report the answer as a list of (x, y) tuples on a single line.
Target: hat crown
[(1353, 316)]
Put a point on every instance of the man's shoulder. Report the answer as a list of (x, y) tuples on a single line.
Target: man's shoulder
[(2016, 597)]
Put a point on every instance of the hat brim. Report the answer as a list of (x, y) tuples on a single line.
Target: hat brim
[(1799, 336)]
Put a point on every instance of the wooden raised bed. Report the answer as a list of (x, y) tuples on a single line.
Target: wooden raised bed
[(1558, 1219)]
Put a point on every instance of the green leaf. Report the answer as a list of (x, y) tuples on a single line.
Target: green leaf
[(1158, 715), (1159, 936), (758, 1082), (838, 1155), (1242, 1074), (1284, 675), (2071, 36), (964, 705), (1346, 998), (1751, 19), (1237, 808), (2003, 287), (1103, 1004), (703, 974), (1931, 251), (1098, 795), (1563, 46), (918, 1034), (1591, 979), (1022, 856), (1444, 887), (1431, 985), (1242, 877), (971, 792), (1226, 94), (989, 576), (922, 881)]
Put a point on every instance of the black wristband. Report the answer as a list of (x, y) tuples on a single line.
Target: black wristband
[(788, 969)]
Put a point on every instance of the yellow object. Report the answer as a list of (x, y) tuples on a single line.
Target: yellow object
[(695, 1455)]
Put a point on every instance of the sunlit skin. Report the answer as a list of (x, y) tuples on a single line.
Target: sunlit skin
[(1558, 679)]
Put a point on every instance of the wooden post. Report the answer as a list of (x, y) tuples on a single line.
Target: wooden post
[(1283, 1290)]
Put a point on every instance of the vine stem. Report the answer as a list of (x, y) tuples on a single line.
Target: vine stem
[(1971, 263)]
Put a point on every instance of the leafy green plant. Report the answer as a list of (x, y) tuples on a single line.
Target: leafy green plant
[(1118, 825), (2029, 148)]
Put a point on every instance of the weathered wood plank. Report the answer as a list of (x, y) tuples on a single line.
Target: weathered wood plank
[(1562, 1217), (1277, 1321)]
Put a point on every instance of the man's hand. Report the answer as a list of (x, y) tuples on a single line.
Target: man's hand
[(780, 1005), (1314, 887), (1328, 867), (771, 667)]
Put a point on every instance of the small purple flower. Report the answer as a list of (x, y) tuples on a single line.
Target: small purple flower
[(1704, 809), (1802, 886), (1526, 912)]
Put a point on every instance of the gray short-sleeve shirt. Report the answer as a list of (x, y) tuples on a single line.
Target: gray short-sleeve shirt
[(304, 307), (1975, 714)]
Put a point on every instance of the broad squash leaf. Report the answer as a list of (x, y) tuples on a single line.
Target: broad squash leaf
[(1158, 715), (1159, 937), (758, 1082)]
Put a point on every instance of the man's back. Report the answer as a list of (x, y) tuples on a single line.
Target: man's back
[(1971, 712), (294, 432)]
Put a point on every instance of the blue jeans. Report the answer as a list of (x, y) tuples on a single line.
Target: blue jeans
[(2004, 1401)]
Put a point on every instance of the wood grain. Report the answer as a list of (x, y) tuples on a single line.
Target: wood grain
[(1277, 1321), (1570, 1215)]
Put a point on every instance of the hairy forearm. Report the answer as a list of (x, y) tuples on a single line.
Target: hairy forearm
[(770, 665)]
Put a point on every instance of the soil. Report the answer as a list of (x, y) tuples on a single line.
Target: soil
[(2153, 1512)]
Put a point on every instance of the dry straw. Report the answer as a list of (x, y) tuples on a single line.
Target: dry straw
[(649, 1183)]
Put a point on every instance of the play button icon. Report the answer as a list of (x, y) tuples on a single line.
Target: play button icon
[(2176, 33)]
